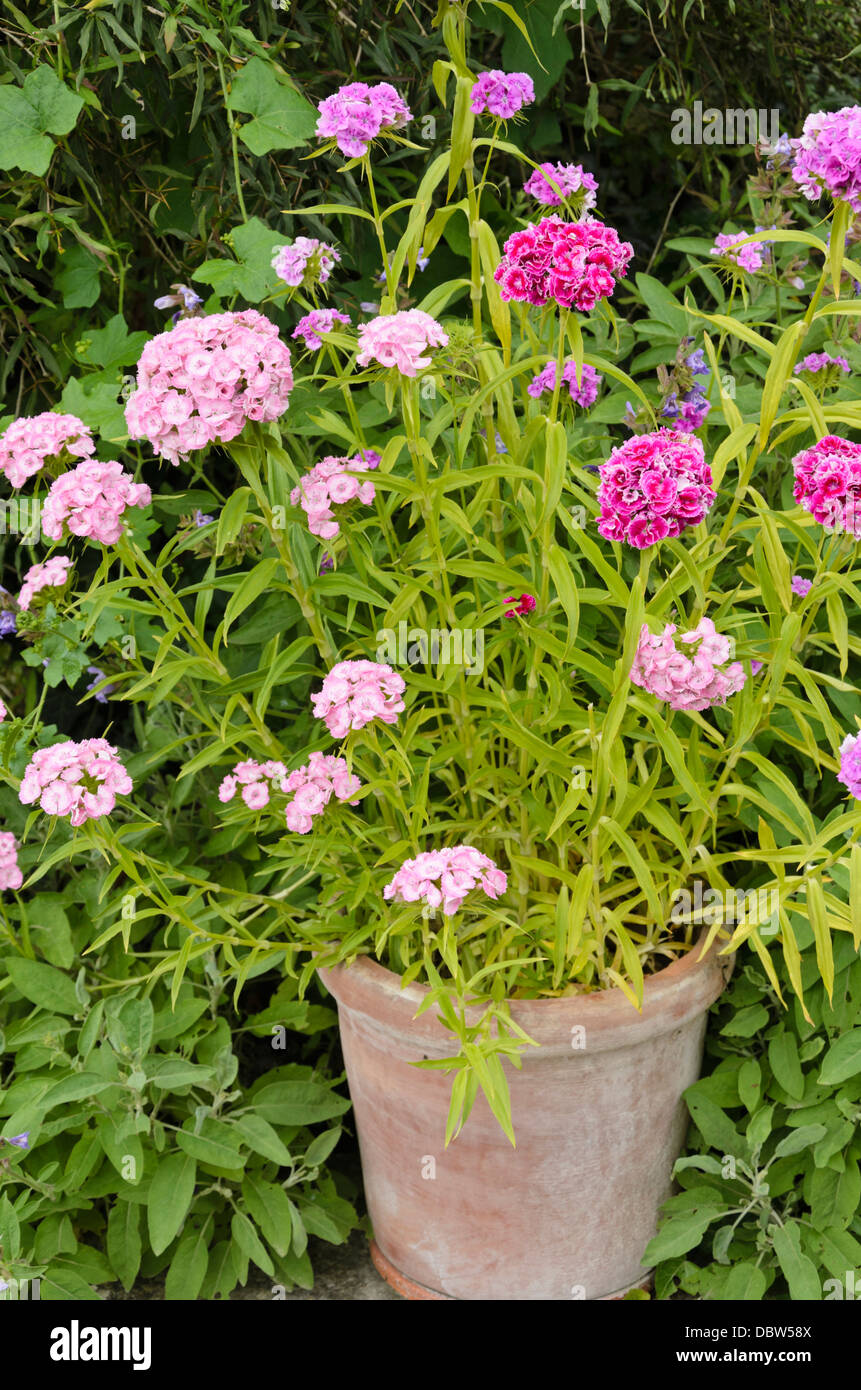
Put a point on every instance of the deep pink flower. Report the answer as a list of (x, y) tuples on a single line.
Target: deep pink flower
[(525, 604), (503, 94), (828, 156), (850, 764), (828, 483), (357, 114), (578, 187), (653, 486), (573, 263)]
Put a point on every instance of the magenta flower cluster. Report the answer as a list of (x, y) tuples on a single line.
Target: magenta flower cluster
[(850, 764), (654, 486), (444, 877), (574, 183), (687, 682), (10, 874), (90, 500), (198, 383), (401, 340), (313, 787), (501, 94), (820, 364), (80, 781), (34, 440), (357, 114), (316, 322), (751, 257), (50, 574), (306, 262), (331, 481), (828, 483), (800, 586), (573, 264), (355, 692), (828, 156), (583, 389)]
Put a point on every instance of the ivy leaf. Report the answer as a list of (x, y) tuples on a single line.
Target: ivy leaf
[(113, 346), (97, 403), (77, 276), (282, 117), (29, 115)]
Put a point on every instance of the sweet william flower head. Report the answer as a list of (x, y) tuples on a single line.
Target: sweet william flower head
[(582, 387), (572, 264), (357, 114), (850, 764), (332, 482), (443, 878), (50, 574), (200, 382), (828, 483), (305, 262), (575, 184), (356, 692), (501, 94), (90, 501), (11, 876), (828, 156), (38, 441), (654, 486), (696, 679), (316, 322), (402, 340), (77, 781)]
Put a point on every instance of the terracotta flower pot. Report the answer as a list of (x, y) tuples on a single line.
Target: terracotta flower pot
[(599, 1122)]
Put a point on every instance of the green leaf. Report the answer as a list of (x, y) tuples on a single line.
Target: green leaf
[(169, 1199), (44, 106), (783, 1060), (745, 1282), (800, 1273), (282, 117), (77, 277), (248, 1241), (716, 1128), (252, 586), (261, 1137), (188, 1266), (298, 1103), (216, 1144), (799, 1139), (842, 1060), (678, 1235), (44, 985), (124, 1241)]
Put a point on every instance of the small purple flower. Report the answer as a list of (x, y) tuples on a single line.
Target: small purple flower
[(202, 519), (20, 1141), (801, 586), (190, 301), (696, 362), (326, 564), (368, 308), (582, 389), (8, 625), (101, 696), (756, 667)]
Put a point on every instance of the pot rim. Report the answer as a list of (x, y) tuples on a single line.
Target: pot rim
[(672, 997)]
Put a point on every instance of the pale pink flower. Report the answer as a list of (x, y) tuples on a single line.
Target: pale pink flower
[(356, 692), (443, 878), (31, 442), (400, 340), (50, 574), (78, 780)]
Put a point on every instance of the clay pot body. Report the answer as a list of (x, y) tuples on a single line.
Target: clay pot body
[(598, 1116)]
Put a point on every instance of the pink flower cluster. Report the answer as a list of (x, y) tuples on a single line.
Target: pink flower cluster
[(828, 156), (653, 486), (828, 483), (50, 574), (356, 114), (850, 764), (254, 779), (575, 185), (3, 711), (503, 94), (10, 875), (444, 877), (822, 362), (78, 780), (29, 443), (199, 382), (306, 261), (583, 390), (313, 787), (355, 692), (328, 482), (316, 322), (800, 586), (400, 340), (573, 263), (685, 682), (751, 257), (90, 501), (522, 606)]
